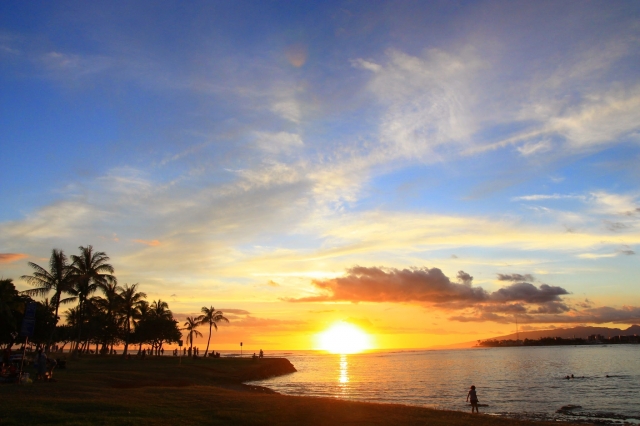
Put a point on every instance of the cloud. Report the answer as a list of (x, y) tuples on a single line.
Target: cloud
[(265, 323), (11, 257), (551, 308), (362, 284), (615, 204), (367, 65), (531, 304), (586, 304), (531, 148), (424, 285), (152, 243), (603, 119), (528, 293), (515, 277), (596, 255), (73, 66), (506, 308), (59, 219), (538, 197), (276, 142), (616, 226), (428, 101), (600, 315), (235, 311), (482, 317), (272, 283), (625, 250), (464, 278)]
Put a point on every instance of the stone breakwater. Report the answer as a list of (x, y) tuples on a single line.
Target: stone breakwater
[(265, 368)]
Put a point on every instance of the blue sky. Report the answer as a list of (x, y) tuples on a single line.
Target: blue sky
[(233, 152)]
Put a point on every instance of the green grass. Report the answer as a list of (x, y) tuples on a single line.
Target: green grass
[(113, 391)]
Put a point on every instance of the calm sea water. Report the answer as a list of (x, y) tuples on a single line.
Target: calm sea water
[(524, 382)]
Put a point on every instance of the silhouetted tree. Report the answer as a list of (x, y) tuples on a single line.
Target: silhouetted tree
[(91, 271), (12, 307), (190, 325), (132, 301), (157, 330), (212, 317), (58, 278), (109, 306)]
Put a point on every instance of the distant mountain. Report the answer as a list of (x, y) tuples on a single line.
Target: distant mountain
[(565, 333), (568, 333)]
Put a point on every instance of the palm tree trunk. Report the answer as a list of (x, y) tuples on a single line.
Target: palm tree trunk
[(126, 342), (207, 350), (55, 319), (80, 320)]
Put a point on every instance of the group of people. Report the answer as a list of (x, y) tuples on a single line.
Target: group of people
[(44, 366), (258, 356), (196, 353), (9, 370)]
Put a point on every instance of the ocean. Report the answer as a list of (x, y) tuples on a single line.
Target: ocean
[(520, 382)]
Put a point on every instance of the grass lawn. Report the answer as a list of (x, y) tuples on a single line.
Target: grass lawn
[(113, 391)]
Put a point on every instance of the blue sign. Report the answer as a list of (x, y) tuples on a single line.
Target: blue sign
[(29, 320)]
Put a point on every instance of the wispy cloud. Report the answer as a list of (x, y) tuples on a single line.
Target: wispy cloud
[(538, 197), (152, 243), (11, 257), (621, 251)]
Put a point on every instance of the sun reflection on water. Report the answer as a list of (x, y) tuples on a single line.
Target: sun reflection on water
[(344, 370)]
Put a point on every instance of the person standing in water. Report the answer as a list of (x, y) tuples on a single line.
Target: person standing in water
[(473, 399)]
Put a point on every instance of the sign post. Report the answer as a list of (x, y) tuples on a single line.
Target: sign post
[(180, 350), (240, 349), (28, 326)]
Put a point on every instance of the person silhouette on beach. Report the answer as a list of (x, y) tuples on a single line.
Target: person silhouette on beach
[(473, 399)]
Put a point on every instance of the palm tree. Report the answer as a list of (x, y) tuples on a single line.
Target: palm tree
[(110, 307), (160, 309), (58, 278), (211, 317), (91, 271), (139, 315), (190, 325), (130, 307)]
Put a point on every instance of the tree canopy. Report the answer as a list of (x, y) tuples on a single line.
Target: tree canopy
[(106, 314)]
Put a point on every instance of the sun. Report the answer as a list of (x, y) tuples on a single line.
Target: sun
[(344, 338)]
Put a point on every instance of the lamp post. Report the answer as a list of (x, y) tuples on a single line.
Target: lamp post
[(240, 349), (180, 350)]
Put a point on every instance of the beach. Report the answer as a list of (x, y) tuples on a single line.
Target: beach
[(110, 390)]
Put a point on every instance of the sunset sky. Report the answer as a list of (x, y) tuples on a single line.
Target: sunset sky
[(427, 171)]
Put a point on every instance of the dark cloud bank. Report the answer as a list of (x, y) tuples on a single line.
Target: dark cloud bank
[(531, 303)]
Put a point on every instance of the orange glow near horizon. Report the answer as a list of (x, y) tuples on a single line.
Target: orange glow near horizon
[(344, 338)]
